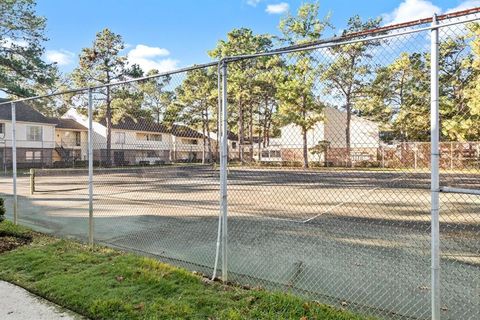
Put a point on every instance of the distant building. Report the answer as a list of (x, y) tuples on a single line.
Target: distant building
[(330, 134), (143, 142), (35, 136), (71, 140)]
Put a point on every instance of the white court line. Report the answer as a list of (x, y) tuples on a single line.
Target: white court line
[(244, 214), (345, 202)]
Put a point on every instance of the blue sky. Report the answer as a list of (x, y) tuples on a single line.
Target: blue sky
[(178, 33)]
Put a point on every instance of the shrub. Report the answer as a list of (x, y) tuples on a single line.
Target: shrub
[(2, 210)]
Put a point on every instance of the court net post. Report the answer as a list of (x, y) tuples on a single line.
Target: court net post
[(32, 181)]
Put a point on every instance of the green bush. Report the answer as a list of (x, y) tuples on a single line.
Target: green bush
[(2, 210)]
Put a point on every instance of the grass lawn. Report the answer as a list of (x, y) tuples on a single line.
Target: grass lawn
[(103, 283)]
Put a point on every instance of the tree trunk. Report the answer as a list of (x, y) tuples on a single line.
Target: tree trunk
[(204, 139), (347, 134), (240, 131), (209, 142), (325, 157), (259, 140), (304, 135), (268, 134), (217, 145), (108, 120), (305, 148), (250, 133)]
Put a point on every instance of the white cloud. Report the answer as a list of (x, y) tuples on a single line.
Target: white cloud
[(253, 3), (143, 51), (410, 10), (279, 8), (60, 57), (149, 58), (469, 4)]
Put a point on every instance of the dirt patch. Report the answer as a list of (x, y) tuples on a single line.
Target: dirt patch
[(8, 243)]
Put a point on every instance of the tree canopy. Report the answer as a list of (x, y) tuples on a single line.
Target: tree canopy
[(22, 33)]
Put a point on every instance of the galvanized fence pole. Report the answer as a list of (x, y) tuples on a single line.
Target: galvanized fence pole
[(219, 128), (14, 162), (223, 174), (435, 171), (90, 168)]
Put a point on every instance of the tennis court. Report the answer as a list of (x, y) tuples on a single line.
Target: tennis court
[(333, 234)]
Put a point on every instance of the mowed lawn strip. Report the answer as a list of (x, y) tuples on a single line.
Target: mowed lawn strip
[(103, 283)]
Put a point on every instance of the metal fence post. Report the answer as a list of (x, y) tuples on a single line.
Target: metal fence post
[(435, 171), (32, 181), (223, 174), (90, 168), (219, 128), (14, 162)]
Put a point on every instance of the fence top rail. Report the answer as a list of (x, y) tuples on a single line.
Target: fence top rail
[(354, 38), (362, 36)]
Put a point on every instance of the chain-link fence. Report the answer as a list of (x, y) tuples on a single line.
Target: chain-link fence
[(316, 169)]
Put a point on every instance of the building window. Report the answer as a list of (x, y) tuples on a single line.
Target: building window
[(152, 154), (119, 137), (149, 137), (234, 145), (33, 155), (275, 154), (78, 139), (2, 129), (190, 141), (154, 137), (34, 133)]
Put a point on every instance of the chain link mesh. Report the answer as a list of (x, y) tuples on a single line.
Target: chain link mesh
[(328, 170)]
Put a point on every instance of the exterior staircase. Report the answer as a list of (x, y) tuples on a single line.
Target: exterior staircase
[(63, 153)]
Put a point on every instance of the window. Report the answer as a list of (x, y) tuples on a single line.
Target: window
[(34, 133), (275, 154), (33, 155), (2, 129), (234, 145), (154, 137), (152, 154), (190, 141), (78, 139), (265, 154), (120, 137), (149, 137)]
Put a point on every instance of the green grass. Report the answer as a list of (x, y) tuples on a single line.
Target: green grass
[(103, 283), (9, 229)]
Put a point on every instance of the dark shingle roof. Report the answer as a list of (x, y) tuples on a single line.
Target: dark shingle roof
[(150, 126), (66, 124), (23, 112)]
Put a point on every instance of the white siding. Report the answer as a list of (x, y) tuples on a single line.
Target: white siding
[(135, 140), (47, 140), (363, 133), (132, 143), (67, 139), (291, 136)]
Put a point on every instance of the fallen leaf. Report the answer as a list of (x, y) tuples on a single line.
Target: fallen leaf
[(139, 306)]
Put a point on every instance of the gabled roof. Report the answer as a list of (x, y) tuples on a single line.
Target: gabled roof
[(230, 135), (23, 112), (62, 123), (184, 132), (151, 126)]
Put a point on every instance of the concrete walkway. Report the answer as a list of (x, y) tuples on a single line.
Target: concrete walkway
[(18, 304)]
